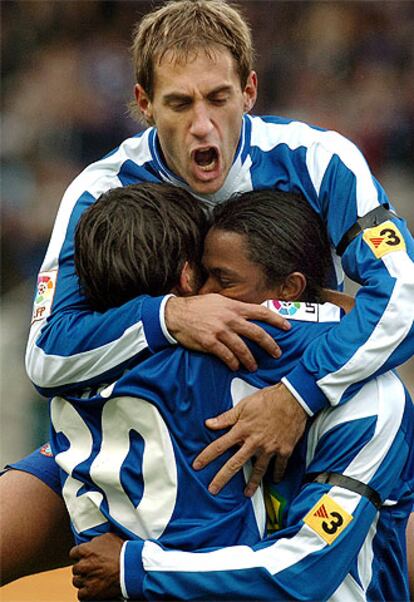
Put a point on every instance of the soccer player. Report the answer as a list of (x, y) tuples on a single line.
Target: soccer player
[(126, 450), (195, 86)]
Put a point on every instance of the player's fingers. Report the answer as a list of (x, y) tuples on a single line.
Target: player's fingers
[(223, 420), (280, 467), (223, 352), (230, 468), (259, 312), (76, 553), (238, 347), (77, 581), (81, 567), (260, 336), (215, 449), (84, 594), (259, 469)]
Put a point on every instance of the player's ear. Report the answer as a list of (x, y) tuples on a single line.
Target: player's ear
[(185, 285), (293, 287), (250, 92), (144, 103)]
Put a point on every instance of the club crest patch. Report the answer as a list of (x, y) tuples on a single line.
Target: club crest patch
[(46, 450), (384, 239), (328, 519), (46, 285)]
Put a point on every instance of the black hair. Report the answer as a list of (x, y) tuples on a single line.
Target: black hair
[(283, 235), (135, 240)]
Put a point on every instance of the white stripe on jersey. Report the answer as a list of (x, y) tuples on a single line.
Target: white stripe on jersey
[(366, 555), (383, 397), (275, 558), (65, 370), (96, 180), (321, 147), (348, 591), (395, 323)]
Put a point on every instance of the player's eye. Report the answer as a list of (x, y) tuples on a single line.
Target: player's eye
[(218, 100)]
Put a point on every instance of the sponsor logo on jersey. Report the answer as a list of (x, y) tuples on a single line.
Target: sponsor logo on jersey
[(328, 519), (46, 450), (384, 239), (46, 284)]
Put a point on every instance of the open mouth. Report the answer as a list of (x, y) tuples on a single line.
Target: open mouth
[(206, 158)]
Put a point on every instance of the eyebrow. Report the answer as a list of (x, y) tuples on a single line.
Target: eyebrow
[(221, 272), (177, 96)]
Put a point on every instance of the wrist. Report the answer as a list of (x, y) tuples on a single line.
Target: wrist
[(163, 319), (173, 315), (131, 570)]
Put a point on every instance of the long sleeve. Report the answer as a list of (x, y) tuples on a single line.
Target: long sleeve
[(68, 343), (378, 334), (325, 548)]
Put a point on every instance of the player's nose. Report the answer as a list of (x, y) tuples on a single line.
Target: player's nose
[(201, 124)]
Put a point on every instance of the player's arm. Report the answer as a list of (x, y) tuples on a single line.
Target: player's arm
[(377, 251), (69, 343), (326, 528)]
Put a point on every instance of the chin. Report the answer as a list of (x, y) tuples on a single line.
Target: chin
[(207, 187)]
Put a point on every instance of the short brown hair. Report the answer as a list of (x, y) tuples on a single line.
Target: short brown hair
[(185, 26), (135, 240)]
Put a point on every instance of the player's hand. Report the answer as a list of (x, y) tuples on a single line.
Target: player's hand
[(214, 324), (265, 424), (96, 568)]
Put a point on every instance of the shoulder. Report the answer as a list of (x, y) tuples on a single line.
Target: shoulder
[(108, 171), (268, 132)]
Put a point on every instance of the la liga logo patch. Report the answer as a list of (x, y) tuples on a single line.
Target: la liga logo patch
[(286, 308), (45, 290)]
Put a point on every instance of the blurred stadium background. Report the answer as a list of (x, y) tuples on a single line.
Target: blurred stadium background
[(66, 80)]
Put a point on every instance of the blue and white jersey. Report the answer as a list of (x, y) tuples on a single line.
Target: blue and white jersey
[(333, 543), (126, 451), (69, 345)]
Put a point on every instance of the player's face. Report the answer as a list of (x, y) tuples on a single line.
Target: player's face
[(230, 272), (198, 107)]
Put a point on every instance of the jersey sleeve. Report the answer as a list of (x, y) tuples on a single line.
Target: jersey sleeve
[(326, 543), (68, 343), (378, 333), (41, 464)]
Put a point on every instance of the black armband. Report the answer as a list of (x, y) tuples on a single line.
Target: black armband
[(340, 480), (373, 218)]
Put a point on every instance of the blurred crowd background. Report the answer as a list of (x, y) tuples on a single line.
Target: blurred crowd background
[(66, 82)]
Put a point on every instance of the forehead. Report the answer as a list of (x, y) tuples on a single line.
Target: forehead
[(198, 70), (226, 251)]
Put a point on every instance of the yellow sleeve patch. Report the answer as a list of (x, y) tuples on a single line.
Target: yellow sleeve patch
[(384, 239), (328, 519)]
